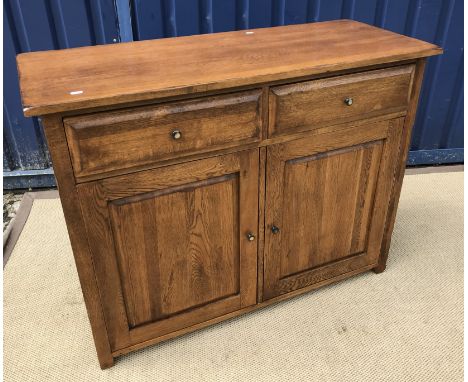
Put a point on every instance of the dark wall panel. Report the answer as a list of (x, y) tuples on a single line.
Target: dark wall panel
[(32, 25)]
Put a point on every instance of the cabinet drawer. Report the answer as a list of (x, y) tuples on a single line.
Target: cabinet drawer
[(109, 141), (313, 104)]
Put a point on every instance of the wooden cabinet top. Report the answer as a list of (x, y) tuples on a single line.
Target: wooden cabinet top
[(71, 79)]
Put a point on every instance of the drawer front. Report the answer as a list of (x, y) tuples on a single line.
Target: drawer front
[(116, 140), (313, 104)]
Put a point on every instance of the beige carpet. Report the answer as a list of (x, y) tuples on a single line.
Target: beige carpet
[(403, 325)]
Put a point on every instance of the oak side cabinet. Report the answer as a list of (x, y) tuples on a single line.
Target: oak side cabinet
[(203, 177)]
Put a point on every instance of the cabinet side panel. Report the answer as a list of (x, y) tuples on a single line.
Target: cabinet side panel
[(55, 135), (402, 157)]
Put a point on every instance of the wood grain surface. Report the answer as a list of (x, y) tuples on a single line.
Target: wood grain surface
[(70, 79), (170, 235), (329, 196), (313, 104), (75, 219), (405, 141), (178, 249), (170, 245), (109, 141)]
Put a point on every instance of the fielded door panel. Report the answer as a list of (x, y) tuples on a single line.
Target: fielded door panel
[(326, 201), (174, 246)]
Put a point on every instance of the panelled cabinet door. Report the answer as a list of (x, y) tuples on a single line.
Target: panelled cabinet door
[(326, 201), (174, 246)]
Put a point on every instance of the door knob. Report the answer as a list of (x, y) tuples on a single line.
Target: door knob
[(176, 134), (348, 101), (274, 229), (250, 236)]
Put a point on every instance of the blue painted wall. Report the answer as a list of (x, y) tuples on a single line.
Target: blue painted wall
[(31, 25)]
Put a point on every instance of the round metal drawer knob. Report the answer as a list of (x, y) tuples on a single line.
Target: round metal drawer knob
[(348, 101), (176, 134), (250, 236), (275, 229)]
